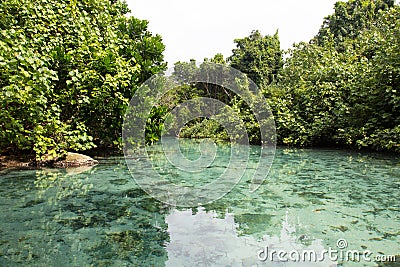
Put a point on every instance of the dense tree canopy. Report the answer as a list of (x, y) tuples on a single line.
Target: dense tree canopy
[(340, 89), (350, 19), (69, 68), (348, 97), (260, 57), (67, 72)]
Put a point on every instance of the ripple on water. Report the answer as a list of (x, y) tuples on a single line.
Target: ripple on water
[(101, 217)]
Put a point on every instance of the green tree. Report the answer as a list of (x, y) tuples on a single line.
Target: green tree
[(67, 72), (260, 57), (350, 19), (348, 97)]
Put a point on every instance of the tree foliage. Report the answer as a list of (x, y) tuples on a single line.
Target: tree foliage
[(67, 72), (340, 89), (348, 97), (350, 19), (260, 57), (69, 68)]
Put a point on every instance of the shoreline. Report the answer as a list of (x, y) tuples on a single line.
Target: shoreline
[(71, 160)]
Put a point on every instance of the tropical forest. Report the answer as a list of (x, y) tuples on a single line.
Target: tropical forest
[(329, 176)]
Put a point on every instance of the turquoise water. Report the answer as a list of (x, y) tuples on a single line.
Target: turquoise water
[(99, 217)]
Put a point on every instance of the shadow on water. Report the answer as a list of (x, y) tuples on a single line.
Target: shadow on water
[(100, 217)]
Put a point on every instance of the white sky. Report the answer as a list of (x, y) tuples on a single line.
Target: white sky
[(198, 29)]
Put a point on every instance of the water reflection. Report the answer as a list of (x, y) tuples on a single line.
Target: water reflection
[(200, 238), (93, 217), (100, 217)]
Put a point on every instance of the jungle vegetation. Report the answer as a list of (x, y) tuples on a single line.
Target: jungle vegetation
[(69, 68)]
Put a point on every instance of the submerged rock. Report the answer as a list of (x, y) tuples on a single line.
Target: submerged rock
[(75, 160), (78, 170)]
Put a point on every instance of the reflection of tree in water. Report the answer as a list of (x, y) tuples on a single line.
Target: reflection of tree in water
[(55, 185), (206, 239), (101, 217), (96, 217), (136, 230)]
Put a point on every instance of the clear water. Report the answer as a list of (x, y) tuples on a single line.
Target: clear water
[(99, 216)]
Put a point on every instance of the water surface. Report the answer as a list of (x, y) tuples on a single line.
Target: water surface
[(99, 216)]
